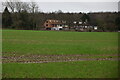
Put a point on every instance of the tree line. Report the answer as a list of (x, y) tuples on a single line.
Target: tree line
[(26, 16)]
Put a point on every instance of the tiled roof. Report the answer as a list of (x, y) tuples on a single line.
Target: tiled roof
[(55, 21)]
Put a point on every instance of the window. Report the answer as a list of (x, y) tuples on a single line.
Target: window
[(46, 24)]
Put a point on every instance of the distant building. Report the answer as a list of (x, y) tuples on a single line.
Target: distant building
[(84, 26), (55, 24), (52, 24)]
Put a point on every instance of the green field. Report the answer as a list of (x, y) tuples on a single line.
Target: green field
[(52, 42), (28, 42), (85, 69)]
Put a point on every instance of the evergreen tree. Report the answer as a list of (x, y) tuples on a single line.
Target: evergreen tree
[(24, 20), (117, 22), (6, 18), (85, 17)]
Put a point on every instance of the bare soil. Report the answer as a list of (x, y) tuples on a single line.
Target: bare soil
[(56, 58)]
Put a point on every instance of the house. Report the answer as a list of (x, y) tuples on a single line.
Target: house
[(84, 26), (55, 24)]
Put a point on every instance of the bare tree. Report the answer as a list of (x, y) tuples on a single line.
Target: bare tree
[(10, 4), (59, 11), (18, 6), (26, 6), (22, 6), (34, 7)]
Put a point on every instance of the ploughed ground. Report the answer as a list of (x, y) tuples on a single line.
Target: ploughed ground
[(37, 58)]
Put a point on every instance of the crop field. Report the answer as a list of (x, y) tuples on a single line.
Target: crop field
[(59, 54)]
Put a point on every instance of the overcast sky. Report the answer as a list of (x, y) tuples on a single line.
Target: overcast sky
[(76, 5)]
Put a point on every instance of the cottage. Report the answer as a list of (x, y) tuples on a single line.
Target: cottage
[(54, 24)]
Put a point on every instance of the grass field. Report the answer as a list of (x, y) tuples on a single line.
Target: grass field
[(84, 69), (28, 42), (52, 42)]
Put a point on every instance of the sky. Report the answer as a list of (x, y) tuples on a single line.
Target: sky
[(76, 5), (119, 6), (68, 0), (79, 6)]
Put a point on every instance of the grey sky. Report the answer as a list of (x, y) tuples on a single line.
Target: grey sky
[(119, 6), (78, 6)]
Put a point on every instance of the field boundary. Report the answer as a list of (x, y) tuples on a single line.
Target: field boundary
[(57, 58)]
